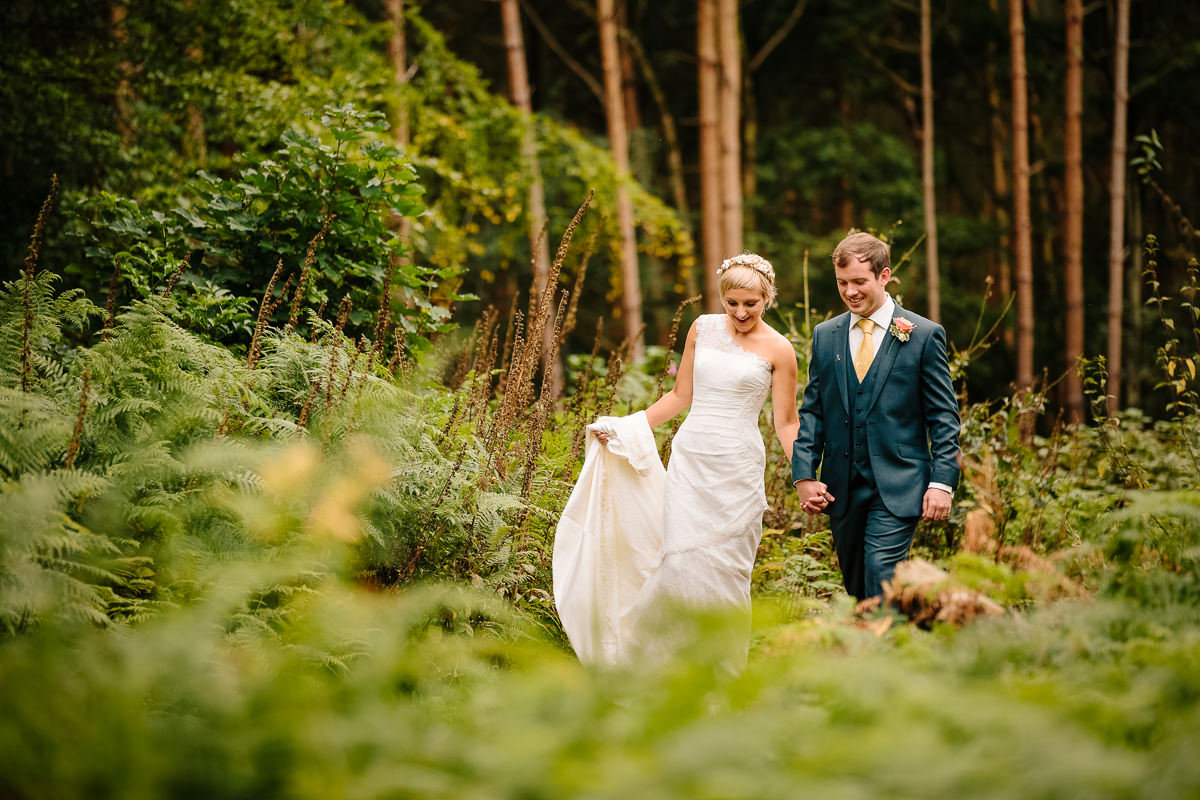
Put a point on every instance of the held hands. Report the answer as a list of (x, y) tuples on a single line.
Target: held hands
[(936, 505), (814, 496)]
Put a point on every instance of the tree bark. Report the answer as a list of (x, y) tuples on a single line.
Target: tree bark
[(398, 53), (1022, 232), (999, 256), (518, 84), (539, 247), (1116, 211), (729, 49), (927, 178), (712, 245), (631, 294), (674, 150), (122, 92), (1073, 233)]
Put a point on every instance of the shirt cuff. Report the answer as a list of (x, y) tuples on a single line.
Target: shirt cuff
[(948, 489)]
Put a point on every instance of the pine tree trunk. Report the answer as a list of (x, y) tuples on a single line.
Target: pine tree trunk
[(631, 293), (1003, 265), (398, 53), (1022, 232), (927, 177), (711, 234), (730, 53), (1116, 236), (122, 92), (1073, 234), (539, 246)]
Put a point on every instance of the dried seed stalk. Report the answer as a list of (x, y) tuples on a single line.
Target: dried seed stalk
[(309, 259), (174, 277), (32, 257), (110, 305), (675, 333), (77, 434), (264, 313), (580, 274)]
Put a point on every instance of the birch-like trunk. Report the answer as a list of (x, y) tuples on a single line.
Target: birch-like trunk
[(614, 104), (1116, 211), (1073, 233), (730, 55), (712, 244), (1022, 227), (927, 177)]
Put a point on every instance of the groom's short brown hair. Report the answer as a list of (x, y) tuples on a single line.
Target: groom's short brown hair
[(865, 247)]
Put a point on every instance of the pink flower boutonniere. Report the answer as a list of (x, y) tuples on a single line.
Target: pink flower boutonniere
[(901, 328)]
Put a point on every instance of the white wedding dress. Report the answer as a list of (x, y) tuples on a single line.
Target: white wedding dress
[(713, 503)]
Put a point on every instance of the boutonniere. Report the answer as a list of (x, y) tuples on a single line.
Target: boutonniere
[(901, 328)]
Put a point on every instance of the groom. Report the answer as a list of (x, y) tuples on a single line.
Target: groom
[(879, 418)]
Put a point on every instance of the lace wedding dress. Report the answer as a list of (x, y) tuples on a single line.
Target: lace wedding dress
[(715, 495), (615, 586)]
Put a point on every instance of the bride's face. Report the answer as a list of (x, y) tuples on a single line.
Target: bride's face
[(744, 307)]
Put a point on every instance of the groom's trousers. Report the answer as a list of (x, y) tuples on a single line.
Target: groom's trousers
[(870, 540)]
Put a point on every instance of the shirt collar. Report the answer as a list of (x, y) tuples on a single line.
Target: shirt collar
[(882, 316)]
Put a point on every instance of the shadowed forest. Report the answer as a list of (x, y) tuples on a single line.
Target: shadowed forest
[(305, 306)]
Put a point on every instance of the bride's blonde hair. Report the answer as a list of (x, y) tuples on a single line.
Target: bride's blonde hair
[(748, 271)]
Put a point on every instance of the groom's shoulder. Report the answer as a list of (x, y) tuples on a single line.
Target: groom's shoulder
[(830, 324)]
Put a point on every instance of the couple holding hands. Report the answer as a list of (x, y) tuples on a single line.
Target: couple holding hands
[(874, 445)]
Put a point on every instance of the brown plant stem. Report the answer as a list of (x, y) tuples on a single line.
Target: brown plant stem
[(77, 434)]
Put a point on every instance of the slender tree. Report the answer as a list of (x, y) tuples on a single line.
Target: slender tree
[(927, 180), (1022, 228), (1116, 211), (614, 105), (519, 93), (1073, 233), (398, 54), (711, 232), (730, 56)]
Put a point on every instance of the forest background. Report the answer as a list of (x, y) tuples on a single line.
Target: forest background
[(294, 380)]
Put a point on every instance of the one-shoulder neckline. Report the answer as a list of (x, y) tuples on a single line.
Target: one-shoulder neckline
[(720, 321)]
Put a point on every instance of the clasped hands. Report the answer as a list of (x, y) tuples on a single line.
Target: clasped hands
[(815, 499)]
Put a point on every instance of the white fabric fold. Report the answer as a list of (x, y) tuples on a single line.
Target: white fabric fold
[(609, 538)]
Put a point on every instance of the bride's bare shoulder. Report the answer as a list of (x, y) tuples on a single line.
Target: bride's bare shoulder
[(780, 346)]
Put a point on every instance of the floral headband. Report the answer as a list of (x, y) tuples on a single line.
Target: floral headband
[(751, 260)]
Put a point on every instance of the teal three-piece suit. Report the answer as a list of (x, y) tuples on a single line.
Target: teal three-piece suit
[(877, 443)]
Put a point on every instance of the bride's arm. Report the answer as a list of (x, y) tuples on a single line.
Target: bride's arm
[(783, 396), (680, 396)]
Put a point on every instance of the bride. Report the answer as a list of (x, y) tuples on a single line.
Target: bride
[(613, 581)]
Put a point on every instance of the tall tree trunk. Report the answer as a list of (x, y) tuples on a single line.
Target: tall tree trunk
[(712, 237), (729, 47), (121, 94), (1116, 210), (631, 294), (1003, 265), (1022, 232), (539, 247), (674, 150), (749, 151), (398, 53), (931, 240), (1073, 234)]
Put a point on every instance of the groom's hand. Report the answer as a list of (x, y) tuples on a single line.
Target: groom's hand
[(936, 506), (814, 496)]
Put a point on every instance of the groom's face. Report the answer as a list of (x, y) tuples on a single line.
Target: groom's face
[(861, 290)]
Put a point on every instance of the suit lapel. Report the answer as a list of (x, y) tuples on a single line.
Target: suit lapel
[(884, 360), (841, 350)]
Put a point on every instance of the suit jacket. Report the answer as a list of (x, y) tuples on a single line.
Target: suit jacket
[(911, 417)]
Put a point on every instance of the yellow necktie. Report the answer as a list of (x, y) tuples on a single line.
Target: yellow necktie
[(866, 350)]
